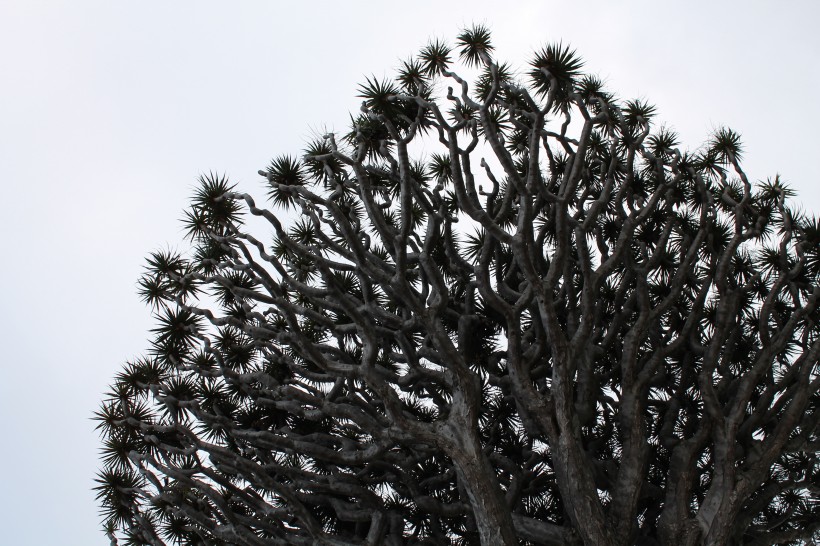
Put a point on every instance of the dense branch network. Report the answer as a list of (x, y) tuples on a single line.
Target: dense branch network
[(557, 329)]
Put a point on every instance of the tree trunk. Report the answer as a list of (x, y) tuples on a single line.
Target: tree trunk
[(492, 515)]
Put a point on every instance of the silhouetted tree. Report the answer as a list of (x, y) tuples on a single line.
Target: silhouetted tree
[(554, 327)]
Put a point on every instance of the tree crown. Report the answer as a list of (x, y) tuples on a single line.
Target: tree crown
[(556, 328)]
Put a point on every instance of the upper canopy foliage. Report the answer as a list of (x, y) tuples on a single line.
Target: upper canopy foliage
[(556, 328)]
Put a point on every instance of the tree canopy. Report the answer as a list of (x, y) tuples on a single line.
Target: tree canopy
[(502, 309)]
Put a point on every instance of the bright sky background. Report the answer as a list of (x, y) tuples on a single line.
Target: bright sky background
[(110, 109)]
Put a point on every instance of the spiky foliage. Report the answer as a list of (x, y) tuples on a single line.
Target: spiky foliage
[(556, 68), (435, 57), (475, 45), (588, 337)]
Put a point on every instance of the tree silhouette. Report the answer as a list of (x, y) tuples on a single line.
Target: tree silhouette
[(506, 312)]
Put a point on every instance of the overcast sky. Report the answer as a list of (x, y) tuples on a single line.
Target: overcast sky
[(109, 110)]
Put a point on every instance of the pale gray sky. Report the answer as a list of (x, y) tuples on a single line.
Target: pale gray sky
[(110, 109)]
